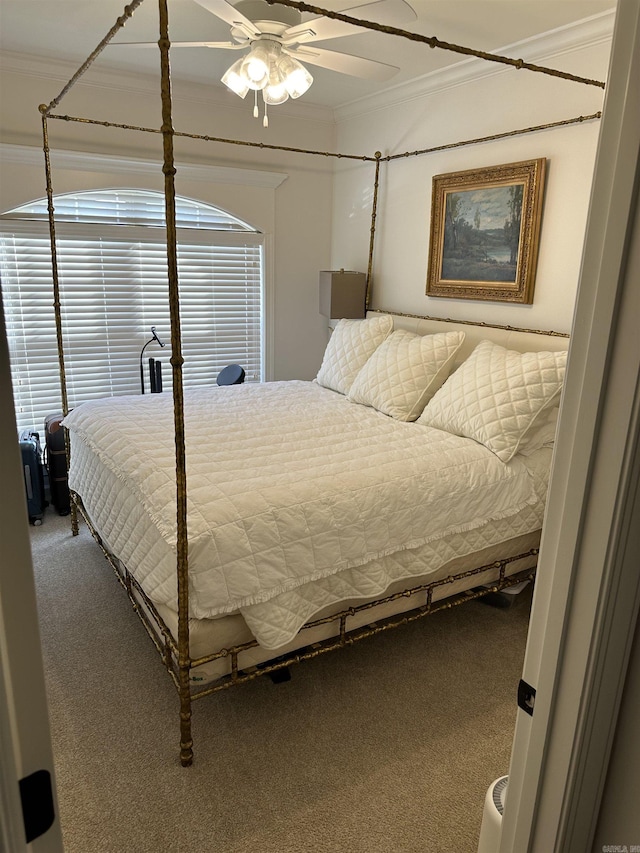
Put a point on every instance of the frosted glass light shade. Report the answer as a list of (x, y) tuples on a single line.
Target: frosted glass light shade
[(234, 79), (275, 91), (275, 94), (255, 67), (297, 78)]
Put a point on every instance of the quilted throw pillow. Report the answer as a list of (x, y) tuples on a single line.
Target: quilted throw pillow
[(350, 346), (405, 372), (542, 432), (495, 396)]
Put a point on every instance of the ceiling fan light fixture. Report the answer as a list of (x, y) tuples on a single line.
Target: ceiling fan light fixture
[(267, 68)]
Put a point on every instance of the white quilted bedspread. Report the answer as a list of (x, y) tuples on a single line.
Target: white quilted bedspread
[(288, 483)]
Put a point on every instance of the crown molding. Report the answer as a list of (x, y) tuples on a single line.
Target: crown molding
[(589, 32), (27, 155)]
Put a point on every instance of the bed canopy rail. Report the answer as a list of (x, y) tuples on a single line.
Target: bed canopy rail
[(180, 671), (377, 158), (434, 42), (365, 158)]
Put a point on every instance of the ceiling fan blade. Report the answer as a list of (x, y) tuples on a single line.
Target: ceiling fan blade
[(389, 12), (224, 45), (232, 16), (345, 63)]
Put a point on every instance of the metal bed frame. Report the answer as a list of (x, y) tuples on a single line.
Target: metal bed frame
[(168, 649), (176, 655)]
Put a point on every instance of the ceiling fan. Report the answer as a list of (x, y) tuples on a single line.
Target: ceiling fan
[(278, 38)]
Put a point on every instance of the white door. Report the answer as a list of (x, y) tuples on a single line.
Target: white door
[(587, 596), (26, 760)]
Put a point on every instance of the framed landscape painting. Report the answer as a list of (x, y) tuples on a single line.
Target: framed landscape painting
[(485, 230)]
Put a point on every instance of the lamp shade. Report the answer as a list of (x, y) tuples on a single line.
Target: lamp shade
[(343, 294), (234, 79)]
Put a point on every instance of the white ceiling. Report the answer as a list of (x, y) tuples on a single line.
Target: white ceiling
[(71, 29)]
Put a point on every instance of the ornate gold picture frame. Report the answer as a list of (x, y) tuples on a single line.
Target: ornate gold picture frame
[(485, 230)]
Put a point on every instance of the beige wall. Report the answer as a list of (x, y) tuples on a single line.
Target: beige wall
[(475, 100)]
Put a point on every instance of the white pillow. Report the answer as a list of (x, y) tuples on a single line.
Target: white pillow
[(405, 372), (349, 347), (542, 432), (495, 396)]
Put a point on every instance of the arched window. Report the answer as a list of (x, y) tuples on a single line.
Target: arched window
[(112, 269)]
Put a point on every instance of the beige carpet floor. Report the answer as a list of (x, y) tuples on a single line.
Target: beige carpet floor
[(388, 746)]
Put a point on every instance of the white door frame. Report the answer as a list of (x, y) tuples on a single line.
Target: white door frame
[(25, 744), (587, 594)]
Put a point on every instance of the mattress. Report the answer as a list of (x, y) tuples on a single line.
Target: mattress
[(297, 498), (207, 636)]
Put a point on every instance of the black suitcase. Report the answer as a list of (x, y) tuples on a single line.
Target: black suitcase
[(56, 461), (33, 475)]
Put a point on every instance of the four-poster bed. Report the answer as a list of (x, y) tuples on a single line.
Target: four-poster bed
[(185, 619)]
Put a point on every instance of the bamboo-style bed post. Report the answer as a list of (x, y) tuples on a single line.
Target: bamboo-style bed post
[(56, 294), (169, 170), (374, 209), (45, 111)]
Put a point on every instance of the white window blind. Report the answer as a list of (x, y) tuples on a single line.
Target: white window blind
[(130, 207), (113, 283)]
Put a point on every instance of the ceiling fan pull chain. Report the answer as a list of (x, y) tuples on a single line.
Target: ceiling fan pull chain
[(255, 105), (265, 120)]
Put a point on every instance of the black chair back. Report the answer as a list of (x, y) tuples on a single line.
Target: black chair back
[(232, 374)]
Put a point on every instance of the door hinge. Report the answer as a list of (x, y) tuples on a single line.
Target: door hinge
[(526, 697), (36, 795)]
